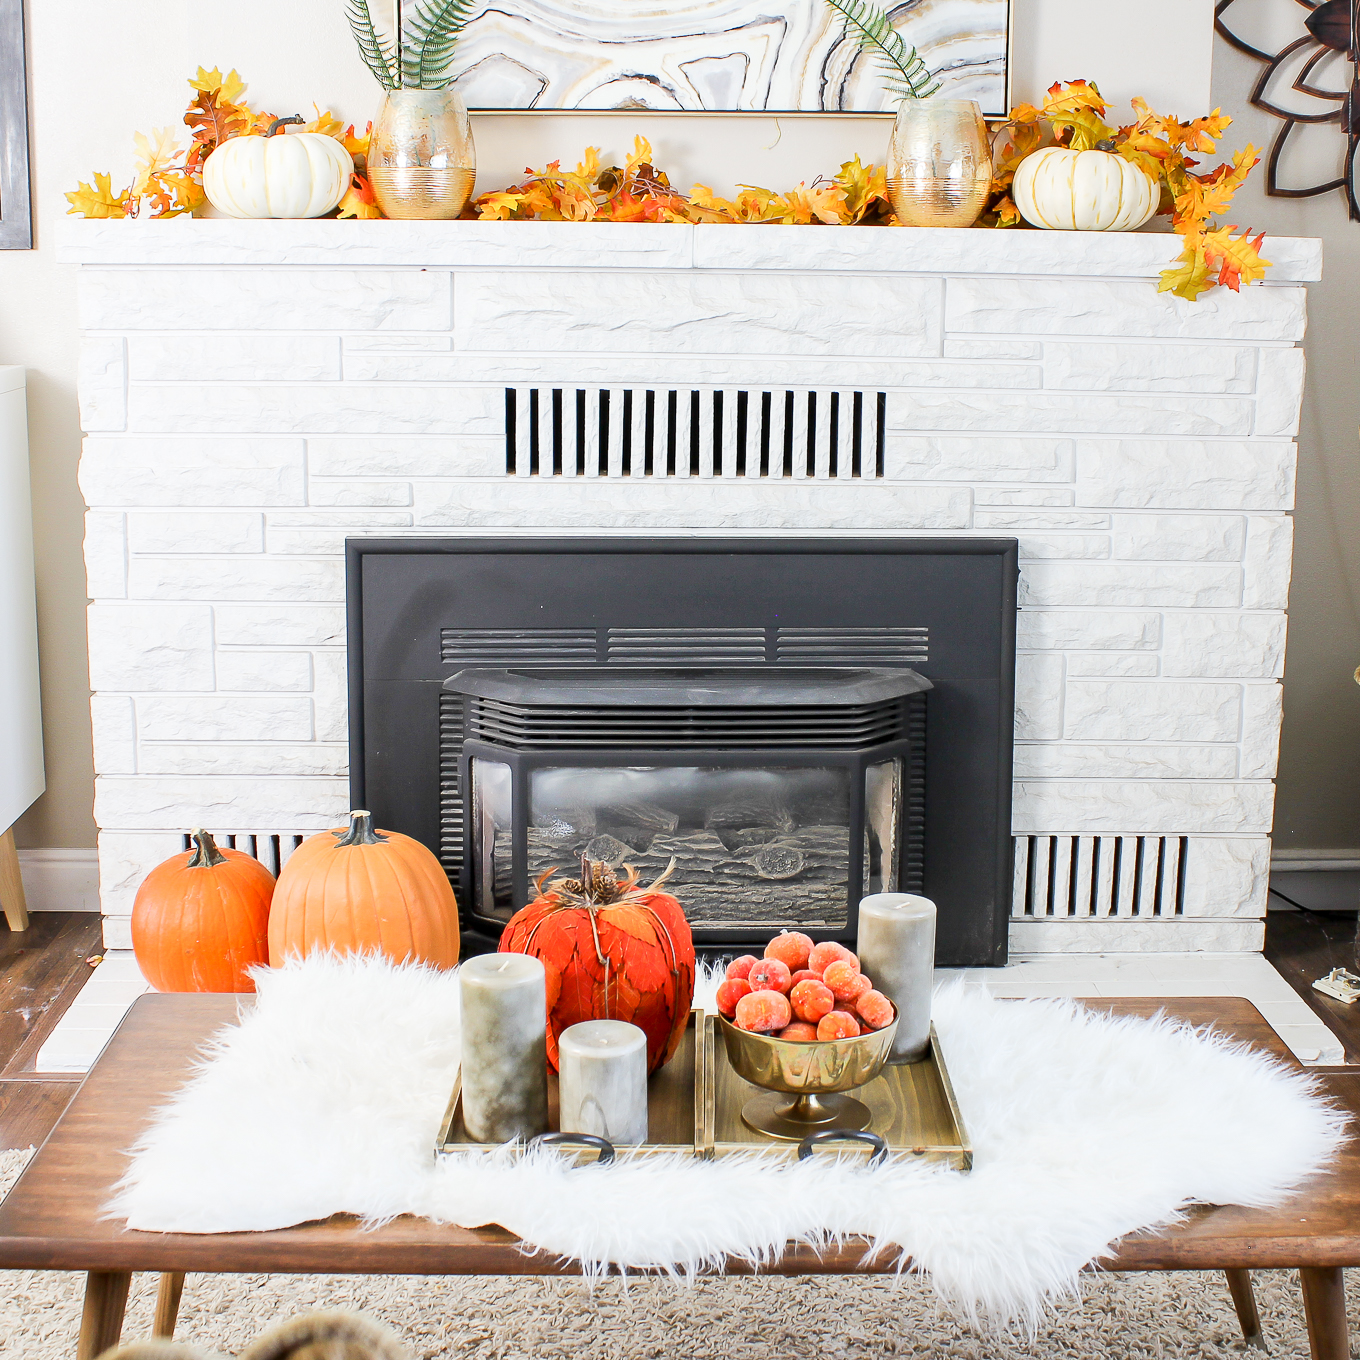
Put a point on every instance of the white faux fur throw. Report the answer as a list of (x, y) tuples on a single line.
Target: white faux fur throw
[(327, 1098)]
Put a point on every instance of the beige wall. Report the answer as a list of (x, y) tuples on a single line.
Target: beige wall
[(99, 71)]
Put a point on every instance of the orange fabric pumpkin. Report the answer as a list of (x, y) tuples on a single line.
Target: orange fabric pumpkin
[(358, 891), (613, 951), (201, 919)]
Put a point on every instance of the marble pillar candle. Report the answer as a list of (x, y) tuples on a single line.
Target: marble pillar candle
[(896, 948), (602, 1071), (505, 1047)]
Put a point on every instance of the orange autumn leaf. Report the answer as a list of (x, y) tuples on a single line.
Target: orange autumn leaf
[(1238, 258), (360, 201)]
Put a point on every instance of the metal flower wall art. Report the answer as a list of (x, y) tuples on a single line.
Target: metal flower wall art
[(1312, 80)]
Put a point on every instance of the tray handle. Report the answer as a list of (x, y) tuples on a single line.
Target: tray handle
[(603, 1145), (813, 1141)]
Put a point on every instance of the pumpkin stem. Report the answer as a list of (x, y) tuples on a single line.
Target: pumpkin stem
[(206, 854), (1106, 145), (360, 831), (284, 122)]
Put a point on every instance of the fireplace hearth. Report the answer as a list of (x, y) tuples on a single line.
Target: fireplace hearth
[(796, 722)]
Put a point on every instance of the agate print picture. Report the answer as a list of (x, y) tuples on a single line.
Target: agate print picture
[(718, 55)]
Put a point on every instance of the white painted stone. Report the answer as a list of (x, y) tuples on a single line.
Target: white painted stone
[(875, 316), (621, 504), (163, 531), (1023, 495), (1176, 935), (316, 542), (407, 456), (240, 578), (161, 647), (1249, 646), (1279, 392), (125, 859), (1110, 584), (1083, 306), (1268, 562), (102, 383), (1127, 807), (1027, 518), (115, 734), (1059, 547), (265, 299), (1262, 713), (224, 717), (117, 932), (1061, 413), (274, 625), (256, 672), (1136, 760), (1149, 368), (105, 555), (992, 349), (1072, 629), (357, 491), (274, 758), (283, 408), (1185, 474), (1038, 696), (193, 472), (155, 801), (385, 341), (1122, 664), (1180, 538), (956, 459), (234, 358), (310, 518), (331, 693), (1150, 710), (1226, 877)]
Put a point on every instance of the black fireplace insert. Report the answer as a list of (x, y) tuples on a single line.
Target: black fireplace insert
[(794, 722)]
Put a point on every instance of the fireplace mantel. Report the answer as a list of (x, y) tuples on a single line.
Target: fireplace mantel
[(255, 392)]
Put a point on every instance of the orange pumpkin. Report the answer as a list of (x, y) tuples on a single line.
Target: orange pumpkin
[(202, 918), (612, 951), (358, 890)]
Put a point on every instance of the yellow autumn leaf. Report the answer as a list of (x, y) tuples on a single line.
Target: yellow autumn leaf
[(152, 155), (588, 168), (98, 199), (229, 88), (1189, 278), (325, 123), (1237, 258)]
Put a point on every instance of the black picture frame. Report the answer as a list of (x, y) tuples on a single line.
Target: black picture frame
[(16, 200)]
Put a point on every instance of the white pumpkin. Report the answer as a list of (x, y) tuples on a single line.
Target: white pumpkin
[(303, 175), (1067, 190)]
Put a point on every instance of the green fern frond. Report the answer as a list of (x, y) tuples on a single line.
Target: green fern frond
[(434, 27), (908, 77), (376, 52)]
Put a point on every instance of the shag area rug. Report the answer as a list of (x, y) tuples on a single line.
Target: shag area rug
[(327, 1097), (1173, 1316)]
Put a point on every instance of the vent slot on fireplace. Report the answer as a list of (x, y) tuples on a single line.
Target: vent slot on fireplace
[(728, 433), (1099, 876), (271, 848)]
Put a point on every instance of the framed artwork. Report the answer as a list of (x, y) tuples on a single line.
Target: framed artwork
[(719, 56), (16, 216)]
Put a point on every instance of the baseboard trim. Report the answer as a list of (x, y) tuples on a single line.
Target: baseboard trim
[(1309, 861), (60, 879)]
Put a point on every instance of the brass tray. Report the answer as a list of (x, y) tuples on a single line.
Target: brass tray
[(675, 1102), (912, 1108)]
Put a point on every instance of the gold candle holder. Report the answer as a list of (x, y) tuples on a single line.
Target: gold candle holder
[(421, 160), (939, 163)]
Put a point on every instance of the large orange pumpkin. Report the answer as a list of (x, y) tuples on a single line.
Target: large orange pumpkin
[(201, 919), (357, 890), (613, 951)]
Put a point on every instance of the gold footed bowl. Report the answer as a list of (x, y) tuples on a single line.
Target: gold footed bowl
[(816, 1074)]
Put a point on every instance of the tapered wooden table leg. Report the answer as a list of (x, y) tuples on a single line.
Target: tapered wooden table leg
[(1324, 1306), (167, 1302), (101, 1324), (11, 884), (1244, 1300)]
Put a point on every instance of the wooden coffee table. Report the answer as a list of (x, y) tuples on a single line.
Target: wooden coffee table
[(50, 1220)]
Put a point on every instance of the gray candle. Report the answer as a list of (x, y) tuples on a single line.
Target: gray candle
[(602, 1065), (505, 1047), (896, 948)]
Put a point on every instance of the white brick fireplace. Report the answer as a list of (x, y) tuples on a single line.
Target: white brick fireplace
[(254, 393)]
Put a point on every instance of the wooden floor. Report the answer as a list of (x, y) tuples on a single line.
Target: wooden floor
[(41, 970), (1306, 945)]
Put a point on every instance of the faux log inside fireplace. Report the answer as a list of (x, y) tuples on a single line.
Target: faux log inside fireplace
[(797, 722)]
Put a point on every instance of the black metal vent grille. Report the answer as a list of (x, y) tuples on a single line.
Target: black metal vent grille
[(1099, 876), (913, 874), (694, 432), (545, 727)]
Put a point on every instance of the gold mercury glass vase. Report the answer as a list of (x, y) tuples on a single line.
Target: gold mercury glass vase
[(421, 161), (939, 163)]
